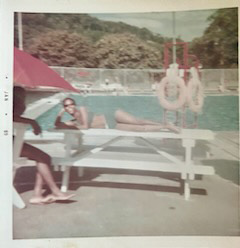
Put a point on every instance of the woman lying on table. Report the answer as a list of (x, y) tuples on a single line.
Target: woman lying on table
[(43, 160), (124, 120), (81, 119), (128, 122)]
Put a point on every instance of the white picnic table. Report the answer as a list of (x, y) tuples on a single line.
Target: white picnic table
[(98, 157)]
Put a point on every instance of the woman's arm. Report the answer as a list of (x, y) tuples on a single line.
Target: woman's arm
[(80, 122), (81, 117), (63, 125), (36, 128), (58, 123)]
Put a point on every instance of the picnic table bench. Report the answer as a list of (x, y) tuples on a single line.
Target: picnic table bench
[(98, 157)]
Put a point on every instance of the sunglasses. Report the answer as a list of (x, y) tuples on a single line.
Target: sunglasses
[(70, 104)]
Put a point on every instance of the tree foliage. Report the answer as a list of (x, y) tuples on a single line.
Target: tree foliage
[(84, 41), (43, 39), (218, 47), (33, 25), (63, 49), (126, 51), (84, 24)]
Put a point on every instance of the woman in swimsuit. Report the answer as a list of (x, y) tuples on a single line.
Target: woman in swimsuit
[(124, 120), (80, 116), (128, 122)]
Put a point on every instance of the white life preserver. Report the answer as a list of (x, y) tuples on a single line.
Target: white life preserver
[(161, 92), (195, 103)]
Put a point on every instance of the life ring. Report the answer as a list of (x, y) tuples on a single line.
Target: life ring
[(161, 92), (195, 104)]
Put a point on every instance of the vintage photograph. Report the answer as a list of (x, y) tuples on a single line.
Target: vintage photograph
[(126, 124)]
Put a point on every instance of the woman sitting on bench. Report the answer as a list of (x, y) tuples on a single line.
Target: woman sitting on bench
[(43, 160)]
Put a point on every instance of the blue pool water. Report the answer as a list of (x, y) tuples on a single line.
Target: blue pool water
[(219, 113)]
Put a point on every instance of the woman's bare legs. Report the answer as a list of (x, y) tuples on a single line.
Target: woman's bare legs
[(37, 191), (98, 121), (43, 175), (128, 122), (38, 185), (124, 117), (138, 128), (172, 127), (46, 176)]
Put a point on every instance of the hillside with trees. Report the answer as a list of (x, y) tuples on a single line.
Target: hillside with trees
[(126, 51), (79, 40), (63, 48), (218, 47)]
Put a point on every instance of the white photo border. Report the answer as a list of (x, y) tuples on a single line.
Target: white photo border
[(7, 9)]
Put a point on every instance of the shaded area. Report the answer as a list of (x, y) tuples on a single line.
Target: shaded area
[(133, 206), (117, 202), (25, 178), (227, 169)]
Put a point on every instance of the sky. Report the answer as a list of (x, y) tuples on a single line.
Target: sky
[(188, 24)]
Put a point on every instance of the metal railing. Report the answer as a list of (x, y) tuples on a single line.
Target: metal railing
[(142, 79)]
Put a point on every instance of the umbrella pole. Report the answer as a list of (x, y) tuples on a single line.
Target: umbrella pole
[(20, 32)]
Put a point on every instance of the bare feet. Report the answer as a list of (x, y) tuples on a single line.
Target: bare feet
[(40, 200), (48, 199), (61, 196), (173, 128)]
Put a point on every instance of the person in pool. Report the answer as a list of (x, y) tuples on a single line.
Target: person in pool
[(43, 160)]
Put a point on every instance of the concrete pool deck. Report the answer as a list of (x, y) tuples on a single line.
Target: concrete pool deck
[(131, 203)]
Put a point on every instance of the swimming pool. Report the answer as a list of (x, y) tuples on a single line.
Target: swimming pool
[(219, 113)]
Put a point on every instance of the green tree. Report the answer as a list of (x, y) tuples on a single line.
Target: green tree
[(218, 47), (83, 24), (62, 48), (32, 26), (126, 51)]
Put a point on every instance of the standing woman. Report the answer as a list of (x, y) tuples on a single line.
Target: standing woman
[(43, 160)]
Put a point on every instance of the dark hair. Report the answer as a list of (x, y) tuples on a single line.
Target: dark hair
[(68, 98)]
